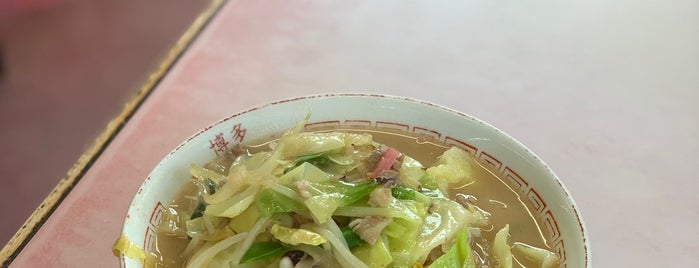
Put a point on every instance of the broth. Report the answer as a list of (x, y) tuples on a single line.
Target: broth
[(494, 196)]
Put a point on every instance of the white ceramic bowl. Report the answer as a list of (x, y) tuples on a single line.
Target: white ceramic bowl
[(521, 168)]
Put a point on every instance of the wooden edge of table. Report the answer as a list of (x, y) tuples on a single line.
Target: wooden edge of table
[(54, 198)]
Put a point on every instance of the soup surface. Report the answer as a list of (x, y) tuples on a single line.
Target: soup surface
[(485, 191)]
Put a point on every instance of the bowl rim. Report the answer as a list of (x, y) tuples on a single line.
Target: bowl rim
[(575, 208)]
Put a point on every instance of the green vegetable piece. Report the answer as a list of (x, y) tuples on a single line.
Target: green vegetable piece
[(307, 158), (322, 207), (428, 182), (210, 185), (402, 239), (352, 238), (263, 250), (374, 256), (430, 188), (407, 193), (270, 202), (198, 211), (234, 205), (311, 158), (286, 170), (448, 260), (305, 171), (348, 192), (402, 234), (321, 162), (246, 220), (465, 252), (459, 255), (329, 195), (402, 192)]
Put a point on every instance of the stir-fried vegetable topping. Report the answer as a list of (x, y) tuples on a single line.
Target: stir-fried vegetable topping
[(339, 199)]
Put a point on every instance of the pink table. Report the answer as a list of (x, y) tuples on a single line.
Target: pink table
[(604, 91)]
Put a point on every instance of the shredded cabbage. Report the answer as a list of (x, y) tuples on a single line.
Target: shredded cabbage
[(440, 226), (411, 171), (546, 258), (305, 171), (459, 255), (452, 167), (316, 193), (501, 250), (234, 205), (375, 256), (339, 248), (293, 236), (312, 143)]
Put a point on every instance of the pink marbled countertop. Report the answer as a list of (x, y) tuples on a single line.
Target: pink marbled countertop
[(604, 91)]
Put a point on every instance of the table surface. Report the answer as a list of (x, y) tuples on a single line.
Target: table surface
[(606, 92)]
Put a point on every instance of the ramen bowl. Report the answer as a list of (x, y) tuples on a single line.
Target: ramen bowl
[(517, 166)]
